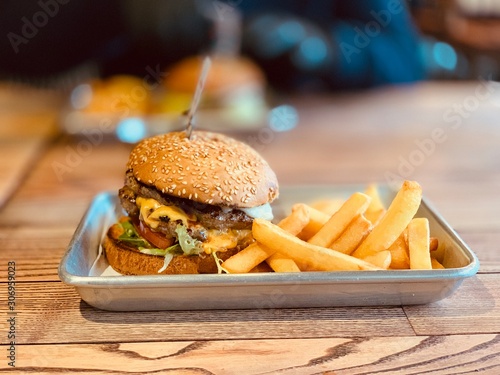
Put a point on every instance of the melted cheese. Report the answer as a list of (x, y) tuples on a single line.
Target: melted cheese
[(151, 212), (222, 240)]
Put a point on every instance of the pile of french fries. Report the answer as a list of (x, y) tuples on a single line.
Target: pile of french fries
[(357, 234)]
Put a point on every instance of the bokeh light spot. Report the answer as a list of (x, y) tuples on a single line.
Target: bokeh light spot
[(445, 55), (131, 130)]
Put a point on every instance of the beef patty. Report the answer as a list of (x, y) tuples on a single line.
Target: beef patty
[(208, 216)]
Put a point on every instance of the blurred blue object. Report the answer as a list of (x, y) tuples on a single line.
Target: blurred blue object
[(131, 130), (283, 118), (311, 54), (445, 55), (332, 44)]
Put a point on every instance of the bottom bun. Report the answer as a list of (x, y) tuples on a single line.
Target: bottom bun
[(127, 260)]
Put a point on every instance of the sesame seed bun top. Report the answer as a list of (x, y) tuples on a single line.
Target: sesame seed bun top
[(208, 168)]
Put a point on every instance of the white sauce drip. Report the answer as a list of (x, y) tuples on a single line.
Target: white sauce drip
[(260, 212)]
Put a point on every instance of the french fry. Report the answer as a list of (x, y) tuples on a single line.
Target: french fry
[(433, 244), (376, 209), (327, 206), (399, 254), (338, 222), (254, 254), (261, 268), (381, 259), (296, 221), (247, 258), (312, 256), (391, 225), (436, 265), (280, 263), (418, 244), (349, 240), (316, 220)]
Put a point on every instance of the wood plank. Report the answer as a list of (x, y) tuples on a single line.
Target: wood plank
[(54, 313), (484, 243), (340, 356), (473, 308), (37, 251)]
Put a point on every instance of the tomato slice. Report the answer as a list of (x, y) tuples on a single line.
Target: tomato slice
[(154, 238)]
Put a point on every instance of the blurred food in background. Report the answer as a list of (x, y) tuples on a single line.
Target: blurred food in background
[(235, 86), (234, 98), (111, 95)]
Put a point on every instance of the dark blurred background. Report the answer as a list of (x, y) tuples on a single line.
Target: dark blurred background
[(299, 44)]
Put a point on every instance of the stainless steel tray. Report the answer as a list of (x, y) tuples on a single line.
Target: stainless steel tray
[(262, 290)]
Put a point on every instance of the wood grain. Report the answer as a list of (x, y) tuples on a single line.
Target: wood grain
[(462, 354), (37, 251), (484, 243), (472, 309), (54, 313)]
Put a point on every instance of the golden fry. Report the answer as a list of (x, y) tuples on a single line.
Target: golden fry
[(247, 258), (338, 222), (349, 240), (254, 254), (399, 254), (316, 220), (391, 225), (433, 244), (279, 263), (418, 244), (261, 268), (436, 265), (381, 259), (312, 256), (296, 221)]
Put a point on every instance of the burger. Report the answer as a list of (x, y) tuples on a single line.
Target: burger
[(189, 203)]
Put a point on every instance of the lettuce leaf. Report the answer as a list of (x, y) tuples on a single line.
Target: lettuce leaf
[(130, 235), (189, 245), (218, 263)]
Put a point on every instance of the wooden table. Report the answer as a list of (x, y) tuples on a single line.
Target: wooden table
[(350, 138)]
